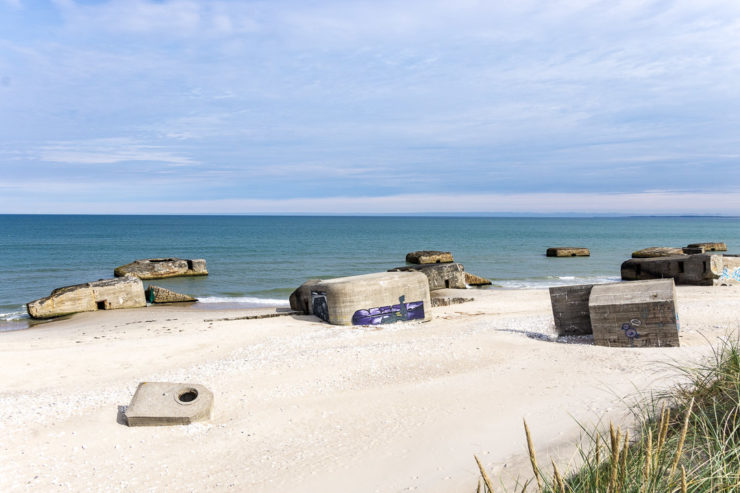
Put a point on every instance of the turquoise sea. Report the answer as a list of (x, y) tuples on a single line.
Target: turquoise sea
[(259, 260)]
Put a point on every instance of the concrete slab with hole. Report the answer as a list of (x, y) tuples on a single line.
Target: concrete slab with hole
[(167, 403)]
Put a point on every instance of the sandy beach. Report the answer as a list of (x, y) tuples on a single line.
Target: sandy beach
[(301, 405)]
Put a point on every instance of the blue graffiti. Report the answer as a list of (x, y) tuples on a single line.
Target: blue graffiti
[(730, 275), (630, 330)]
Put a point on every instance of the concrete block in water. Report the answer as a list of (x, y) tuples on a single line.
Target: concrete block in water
[(473, 280), (372, 299), (105, 294), (166, 403), (429, 257), (709, 246), (440, 276), (570, 309), (652, 252), (568, 252), (634, 314), (157, 294), (161, 268)]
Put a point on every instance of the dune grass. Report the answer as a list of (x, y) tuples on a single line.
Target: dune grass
[(685, 440)]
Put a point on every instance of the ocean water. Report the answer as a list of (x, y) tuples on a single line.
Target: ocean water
[(259, 260)]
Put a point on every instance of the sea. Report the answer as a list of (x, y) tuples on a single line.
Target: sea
[(256, 261)]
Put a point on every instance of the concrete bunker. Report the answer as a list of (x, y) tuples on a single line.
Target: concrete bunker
[(370, 299)]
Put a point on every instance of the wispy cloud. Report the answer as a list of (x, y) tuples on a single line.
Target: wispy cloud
[(109, 151)]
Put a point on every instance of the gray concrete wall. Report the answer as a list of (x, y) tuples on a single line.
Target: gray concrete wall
[(570, 309), (635, 314)]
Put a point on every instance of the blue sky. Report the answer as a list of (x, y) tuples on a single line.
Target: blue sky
[(370, 107)]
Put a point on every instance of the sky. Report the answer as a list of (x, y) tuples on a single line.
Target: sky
[(242, 107)]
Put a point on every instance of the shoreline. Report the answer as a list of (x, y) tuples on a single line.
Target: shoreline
[(303, 405)]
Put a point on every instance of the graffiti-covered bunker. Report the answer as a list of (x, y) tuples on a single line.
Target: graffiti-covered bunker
[(372, 299)]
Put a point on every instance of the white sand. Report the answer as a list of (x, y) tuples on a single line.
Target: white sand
[(305, 406)]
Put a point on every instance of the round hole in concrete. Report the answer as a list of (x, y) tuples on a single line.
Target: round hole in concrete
[(188, 396)]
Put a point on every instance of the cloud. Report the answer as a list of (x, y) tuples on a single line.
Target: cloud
[(109, 151)]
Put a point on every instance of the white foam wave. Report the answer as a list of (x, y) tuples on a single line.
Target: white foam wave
[(248, 300), (554, 281), (15, 315)]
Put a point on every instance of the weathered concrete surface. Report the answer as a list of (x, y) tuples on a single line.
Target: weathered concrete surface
[(429, 257), (440, 276), (160, 268), (653, 252), (106, 294), (568, 252), (730, 271), (635, 314), (157, 294), (300, 299), (165, 403), (709, 246), (372, 299), (570, 309), (699, 270), (473, 280)]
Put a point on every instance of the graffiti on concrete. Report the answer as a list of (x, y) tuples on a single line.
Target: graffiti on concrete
[(389, 314), (730, 274), (319, 306), (630, 330)]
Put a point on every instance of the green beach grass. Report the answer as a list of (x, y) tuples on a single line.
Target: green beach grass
[(686, 440)]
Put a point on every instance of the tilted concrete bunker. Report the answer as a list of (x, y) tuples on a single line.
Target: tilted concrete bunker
[(372, 299), (105, 294), (634, 314), (570, 309)]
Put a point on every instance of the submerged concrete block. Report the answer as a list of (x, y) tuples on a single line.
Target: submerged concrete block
[(156, 294), (166, 403), (699, 270), (473, 280), (570, 309), (372, 299), (652, 252), (568, 252), (634, 314), (709, 246), (106, 294), (440, 276), (429, 257), (161, 268)]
